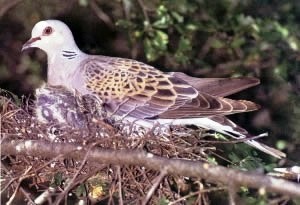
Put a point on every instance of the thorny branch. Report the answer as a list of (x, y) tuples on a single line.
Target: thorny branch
[(212, 173)]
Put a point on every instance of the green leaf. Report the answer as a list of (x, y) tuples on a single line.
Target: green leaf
[(191, 27), (80, 190), (163, 201), (9, 95), (57, 179), (281, 144), (179, 18), (255, 201), (83, 3), (125, 24), (182, 54), (238, 42), (149, 50), (184, 44), (293, 43), (161, 10), (161, 39), (250, 163), (220, 136), (216, 43), (281, 29), (245, 20), (163, 23), (212, 160), (234, 158)]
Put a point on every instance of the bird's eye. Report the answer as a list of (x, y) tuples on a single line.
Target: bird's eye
[(47, 31)]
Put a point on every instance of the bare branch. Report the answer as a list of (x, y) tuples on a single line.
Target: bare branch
[(16, 184), (120, 185), (101, 14), (232, 191), (71, 183), (12, 197), (142, 5), (4, 7), (196, 193), (211, 173), (156, 183)]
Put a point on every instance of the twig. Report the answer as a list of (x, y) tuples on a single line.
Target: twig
[(206, 47), (111, 194), (9, 202), (142, 5), (120, 185), (1, 137), (138, 186), (25, 193), (12, 181), (9, 183), (282, 200), (71, 182), (49, 162), (8, 5), (41, 199), (101, 14), (196, 193), (156, 183), (190, 168), (232, 192)]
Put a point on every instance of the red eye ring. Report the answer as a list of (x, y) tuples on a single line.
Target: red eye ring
[(47, 31)]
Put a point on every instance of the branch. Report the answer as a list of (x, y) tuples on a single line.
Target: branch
[(142, 5), (4, 7), (212, 173), (101, 14), (156, 183)]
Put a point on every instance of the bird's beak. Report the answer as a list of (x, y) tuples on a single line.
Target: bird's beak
[(29, 43)]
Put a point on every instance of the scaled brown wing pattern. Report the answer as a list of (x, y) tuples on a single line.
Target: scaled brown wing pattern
[(218, 86), (132, 88)]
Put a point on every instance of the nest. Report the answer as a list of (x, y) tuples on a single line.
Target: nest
[(59, 116)]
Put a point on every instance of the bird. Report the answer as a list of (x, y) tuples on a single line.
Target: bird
[(57, 105), (141, 93)]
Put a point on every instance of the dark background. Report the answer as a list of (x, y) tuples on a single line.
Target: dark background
[(205, 38)]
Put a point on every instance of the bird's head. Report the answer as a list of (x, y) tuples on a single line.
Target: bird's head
[(51, 36)]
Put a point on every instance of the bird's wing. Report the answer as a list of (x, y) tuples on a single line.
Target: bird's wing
[(132, 88), (218, 86), (206, 105)]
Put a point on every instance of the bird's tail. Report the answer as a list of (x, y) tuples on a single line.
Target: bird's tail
[(233, 130), (219, 124), (266, 149)]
